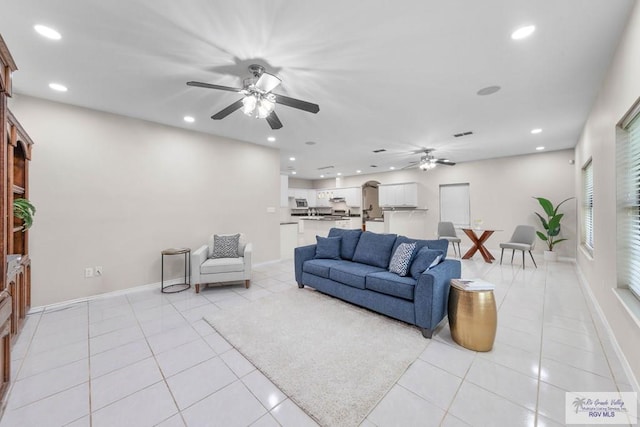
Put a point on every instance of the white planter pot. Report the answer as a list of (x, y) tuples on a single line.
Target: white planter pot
[(550, 256)]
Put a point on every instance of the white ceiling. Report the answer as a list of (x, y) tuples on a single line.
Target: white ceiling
[(396, 75)]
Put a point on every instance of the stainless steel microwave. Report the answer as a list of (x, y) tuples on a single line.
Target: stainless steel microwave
[(301, 203)]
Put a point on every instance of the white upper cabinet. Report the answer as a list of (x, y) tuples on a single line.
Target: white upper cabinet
[(353, 196), (398, 195)]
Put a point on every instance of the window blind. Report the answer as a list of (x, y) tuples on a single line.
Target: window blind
[(628, 198), (454, 204), (587, 208)]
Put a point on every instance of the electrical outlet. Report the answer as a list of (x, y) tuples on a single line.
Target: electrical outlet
[(88, 272), (98, 270)]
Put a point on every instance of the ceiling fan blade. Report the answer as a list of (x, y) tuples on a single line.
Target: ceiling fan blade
[(274, 121), (268, 82), (226, 111), (444, 162), (211, 86), (296, 103)]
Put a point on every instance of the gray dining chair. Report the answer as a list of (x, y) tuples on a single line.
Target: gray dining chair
[(447, 231), (523, 239)]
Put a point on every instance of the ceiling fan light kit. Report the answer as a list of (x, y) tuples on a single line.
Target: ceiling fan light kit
[(258, 100)]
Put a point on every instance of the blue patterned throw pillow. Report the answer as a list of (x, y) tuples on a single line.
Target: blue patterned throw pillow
[(225, 246), (401, 259)]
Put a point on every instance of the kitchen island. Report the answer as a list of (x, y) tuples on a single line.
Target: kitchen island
[(310, 227)]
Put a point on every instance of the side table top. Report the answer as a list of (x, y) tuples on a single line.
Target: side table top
[(175, 251), (471, 285)]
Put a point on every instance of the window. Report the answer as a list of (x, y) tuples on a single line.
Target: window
[(587, 206), (628, 200), (454, 204)]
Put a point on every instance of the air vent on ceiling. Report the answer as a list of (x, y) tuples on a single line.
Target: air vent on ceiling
[(325, 167), (381, 150), (373, 166), (458, 135)]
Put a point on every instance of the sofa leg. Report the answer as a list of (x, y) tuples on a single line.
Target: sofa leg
[(300, 285), (197, 288), (247, 283), (427, 333)]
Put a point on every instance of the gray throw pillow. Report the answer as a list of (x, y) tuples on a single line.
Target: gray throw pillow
[(401, 259), (225, 246)]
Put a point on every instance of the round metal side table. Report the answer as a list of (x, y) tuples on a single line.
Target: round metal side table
[(473, 318), (177, 287)]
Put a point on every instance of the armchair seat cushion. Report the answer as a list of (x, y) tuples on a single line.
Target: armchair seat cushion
[(222, 265)]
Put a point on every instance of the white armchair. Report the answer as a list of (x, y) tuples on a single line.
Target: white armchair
[(209, 271)]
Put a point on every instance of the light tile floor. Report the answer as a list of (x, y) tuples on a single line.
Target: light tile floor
[(147, 359)]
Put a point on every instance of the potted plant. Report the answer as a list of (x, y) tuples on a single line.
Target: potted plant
[(551, 225), (24, 210)]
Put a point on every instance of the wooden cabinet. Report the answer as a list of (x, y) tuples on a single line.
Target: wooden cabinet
[(398, 195), (15, 265)]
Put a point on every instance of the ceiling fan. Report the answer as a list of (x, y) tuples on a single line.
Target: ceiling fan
[(258, 99), (428, 161)]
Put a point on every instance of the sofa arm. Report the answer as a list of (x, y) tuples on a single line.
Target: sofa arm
[(197, 259), (248, 250), (300, 255), (432, 293)]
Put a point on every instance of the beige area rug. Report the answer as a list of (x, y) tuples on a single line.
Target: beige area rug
[(335, 360)]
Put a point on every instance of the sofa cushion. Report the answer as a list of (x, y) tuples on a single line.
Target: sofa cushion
[(389, 283), (222, 265), (319, 267), (328, 247), (225, 246), (440, 244), (425, 259), (351, 273), (374, 249), (401, 259), (350, 240)]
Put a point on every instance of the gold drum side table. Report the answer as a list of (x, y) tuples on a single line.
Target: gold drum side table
[(472, 317)]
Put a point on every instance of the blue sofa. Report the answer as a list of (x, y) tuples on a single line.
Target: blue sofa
[(360, 275)]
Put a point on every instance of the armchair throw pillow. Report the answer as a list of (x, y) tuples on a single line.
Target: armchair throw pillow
[(225, 246)]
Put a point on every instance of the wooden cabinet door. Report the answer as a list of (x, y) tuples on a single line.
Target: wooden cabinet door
[(5, 342)]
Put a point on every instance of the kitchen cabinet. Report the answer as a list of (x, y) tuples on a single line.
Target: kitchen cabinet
[(288, 239), (353, 196), (298, 193), (284, 191), (322, 198), (398, 195)]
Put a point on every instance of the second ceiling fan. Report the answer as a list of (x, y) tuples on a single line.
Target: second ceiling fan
[(258, 100)]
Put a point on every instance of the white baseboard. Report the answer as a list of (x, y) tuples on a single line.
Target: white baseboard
[(63, 304), (616, 347)]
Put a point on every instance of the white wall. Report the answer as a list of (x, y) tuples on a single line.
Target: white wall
[(501, 192), (620, 90), (115, 191)]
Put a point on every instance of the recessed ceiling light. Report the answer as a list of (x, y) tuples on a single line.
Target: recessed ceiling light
[(58, 87), (47, 32), (489, 90), (392, 168), (523, 32), (536, 131), (271, 139), (339, 173), (540, 148), (321, 176), (293, 172), (358, 171), (189, 119), (293, 159)]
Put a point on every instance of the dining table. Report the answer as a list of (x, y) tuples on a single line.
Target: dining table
[(478, 243)]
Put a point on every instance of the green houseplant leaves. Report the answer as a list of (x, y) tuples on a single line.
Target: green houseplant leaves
[(551, 223), (23, 209)]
